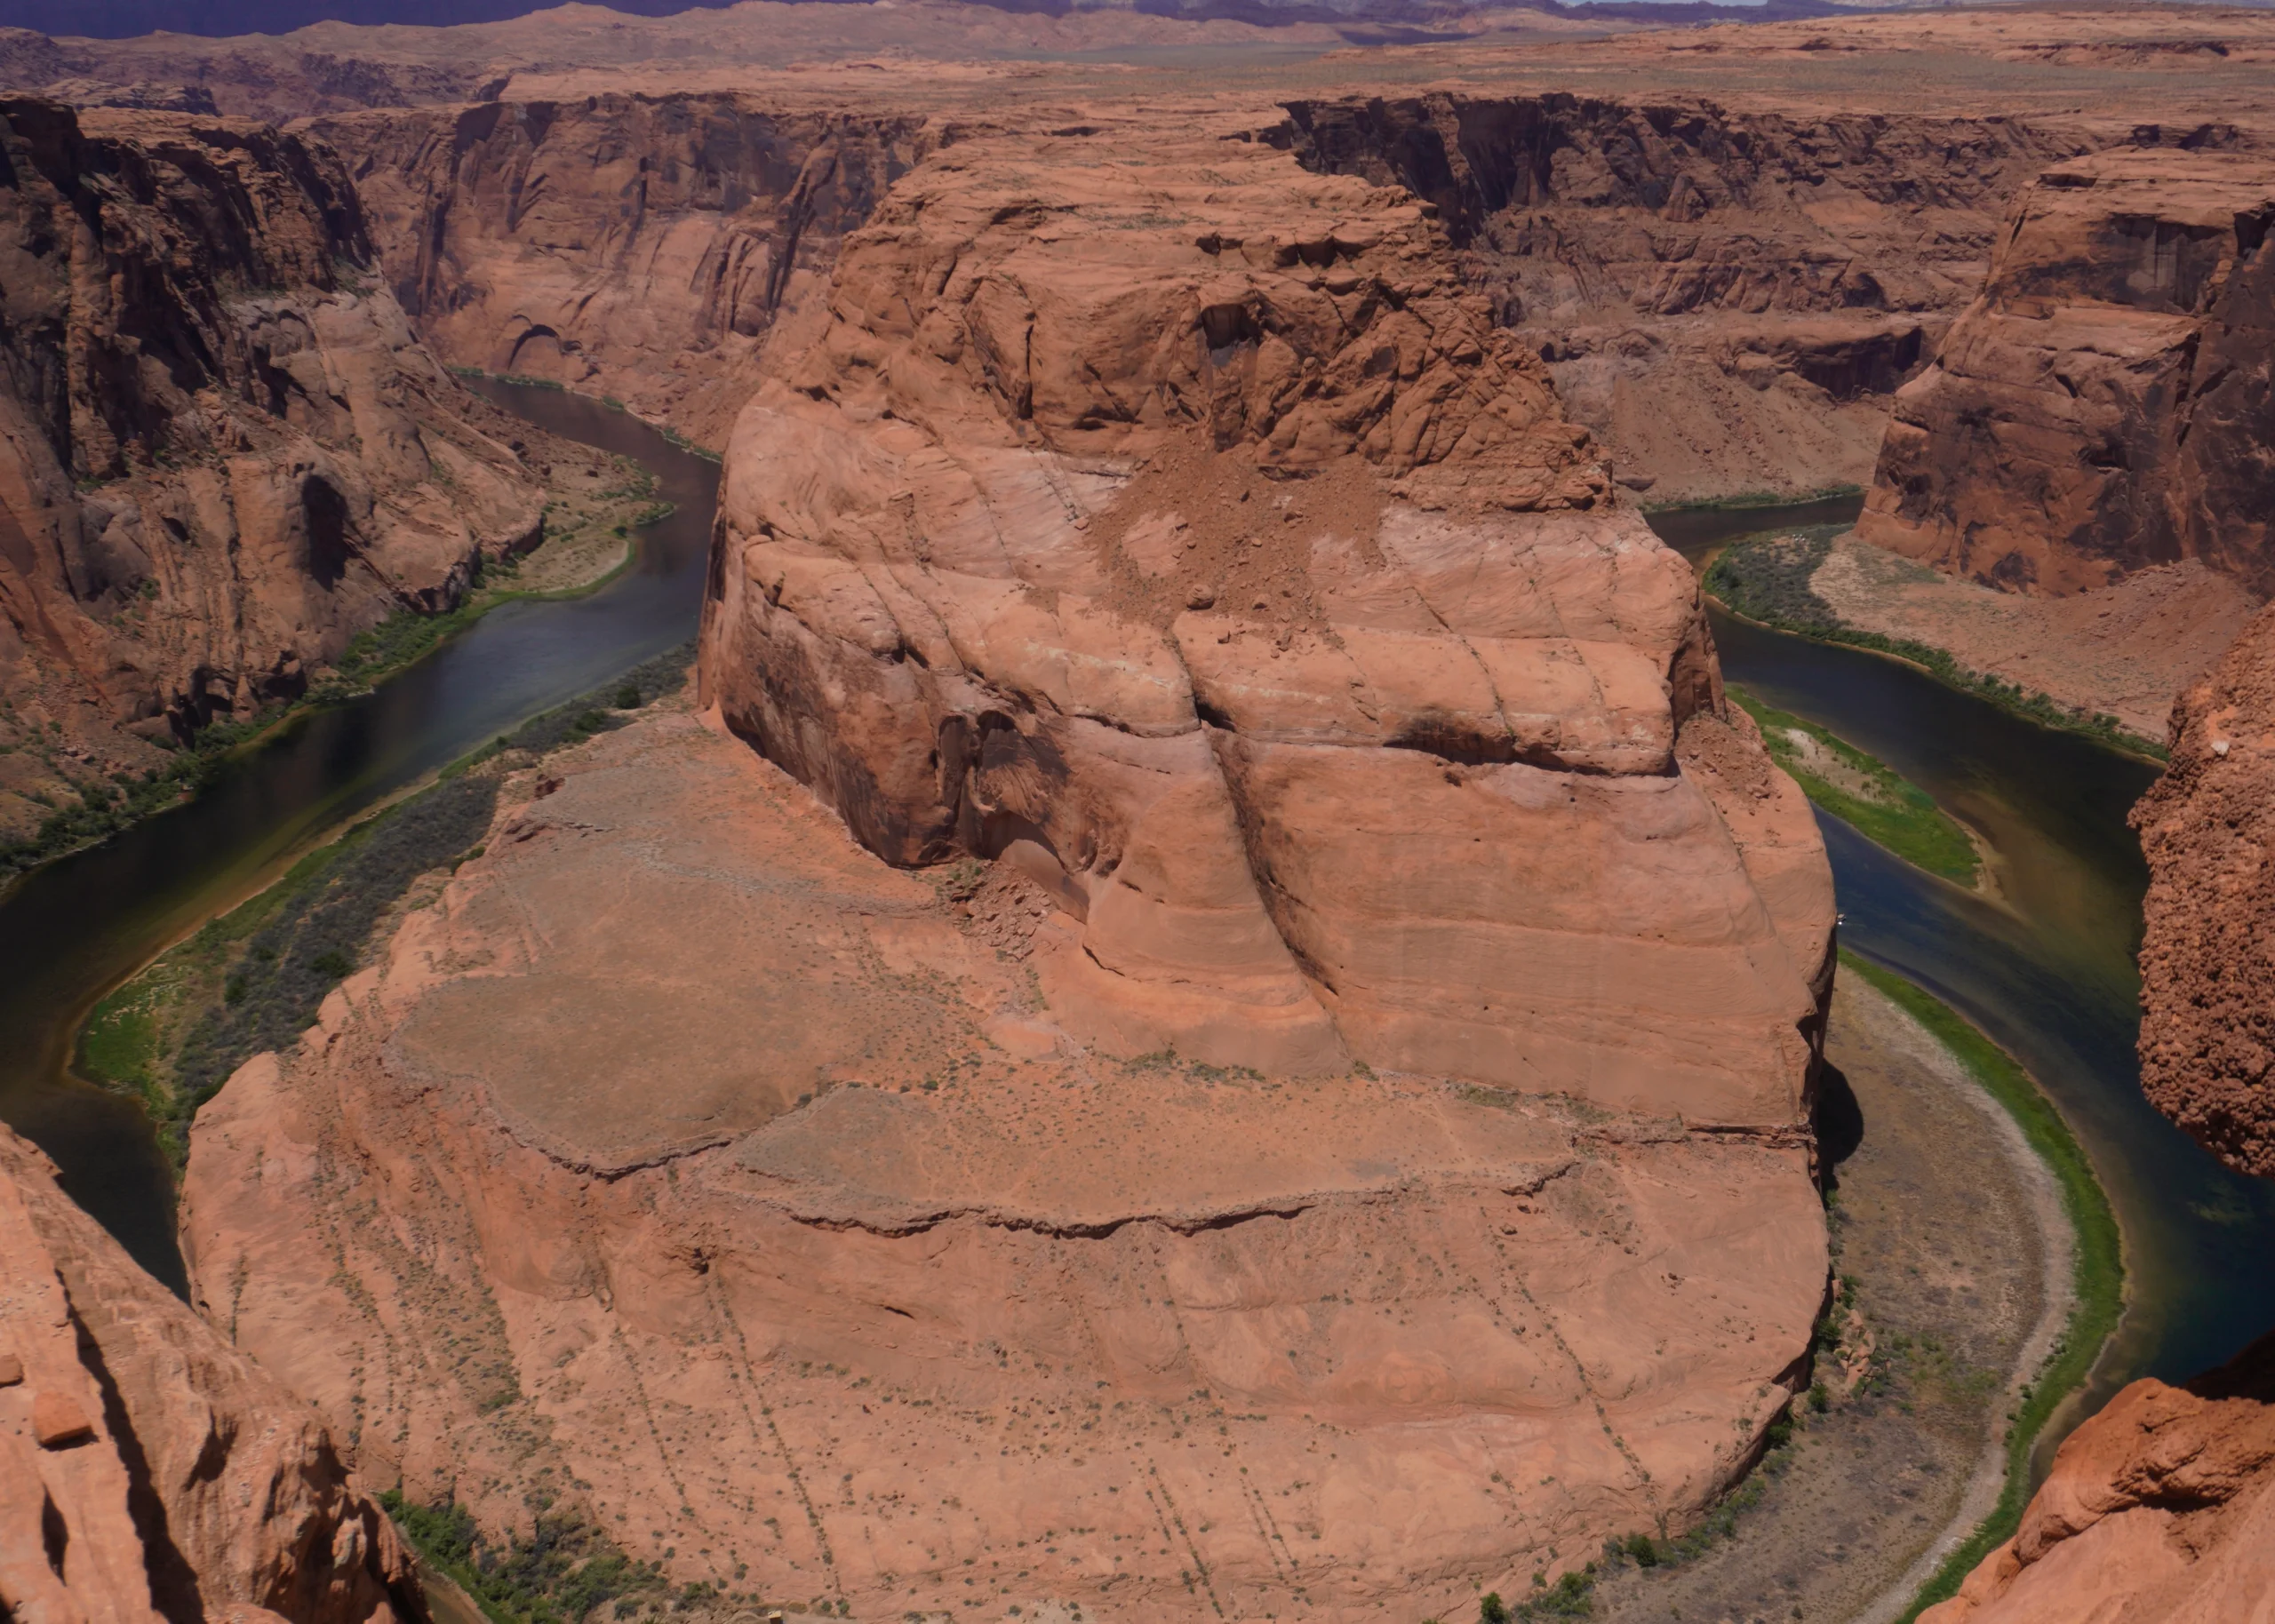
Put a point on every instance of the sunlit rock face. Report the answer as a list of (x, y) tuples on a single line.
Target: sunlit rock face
[(1211, 1013), (2104, 405)]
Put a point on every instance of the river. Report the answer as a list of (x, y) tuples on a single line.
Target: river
[(71, 931), (2048, 970)]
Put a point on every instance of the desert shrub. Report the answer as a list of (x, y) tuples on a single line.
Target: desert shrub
[(561, 1572)]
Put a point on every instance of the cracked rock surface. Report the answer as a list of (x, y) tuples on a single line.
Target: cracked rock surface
[(687, 1155)]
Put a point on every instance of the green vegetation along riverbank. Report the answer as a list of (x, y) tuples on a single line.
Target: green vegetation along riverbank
[(2097, 1265), (1866, 793), (589, 540), (253, 978), (1765, 579)]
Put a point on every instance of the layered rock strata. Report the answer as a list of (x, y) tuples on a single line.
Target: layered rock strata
[(2104, 405), (1327, 1128), (630, 246), (222, 450), (1730, 298), (1187, 536), (149, 1471)]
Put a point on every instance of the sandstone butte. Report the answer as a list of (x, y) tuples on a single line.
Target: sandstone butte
[(223, 451), (150, 1471), (1325, 1130)]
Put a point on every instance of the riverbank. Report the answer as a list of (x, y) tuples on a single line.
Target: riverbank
[(1772, 581), (1963, 1289), (253, 979), (589, 539), (1867, 794), (2096, 1287)]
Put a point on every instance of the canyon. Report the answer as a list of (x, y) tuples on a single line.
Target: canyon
[(225, 450), (1209, 1007), (1173, 563)]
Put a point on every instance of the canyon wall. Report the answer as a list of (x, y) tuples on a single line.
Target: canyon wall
[(2207, 965), (2102, 409), (1729, 298), (2105, 404), (149, 1470), (222, 450), (643, 247), (1325, 1126)]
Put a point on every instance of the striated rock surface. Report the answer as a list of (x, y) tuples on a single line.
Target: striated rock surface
[(148, 1471), (688, 1164), (2159, 1509), (1728, 298), (2104, 405), (1188, 536), (222, 450), (640, 247)]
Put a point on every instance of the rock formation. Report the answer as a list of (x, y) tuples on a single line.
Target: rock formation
[(1325, 1126), (630, 246), (222, 450), (1729, 298), (1188, 536), (687, 1163), (2160, 1507), (2208, 964), (2105, 404), (148, 1471)]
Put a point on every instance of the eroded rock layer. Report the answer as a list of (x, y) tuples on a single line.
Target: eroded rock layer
[(2105, 404), (645, 248), (2207, 958), (148, 1469), (222, 450), (1728, 298), (1186, 535), (689, 1164)]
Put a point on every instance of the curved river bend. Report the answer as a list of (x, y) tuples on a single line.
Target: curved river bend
[(2049, 971), (75, 929)]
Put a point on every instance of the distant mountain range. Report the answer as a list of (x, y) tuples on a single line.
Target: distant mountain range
[(125, 18)]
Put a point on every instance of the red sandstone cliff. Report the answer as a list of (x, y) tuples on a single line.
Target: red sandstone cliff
[(646, 247), (2207, 960), (148, 1469), (2158, 1510), (222, 450), (1728, 298), (2105, 404)]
